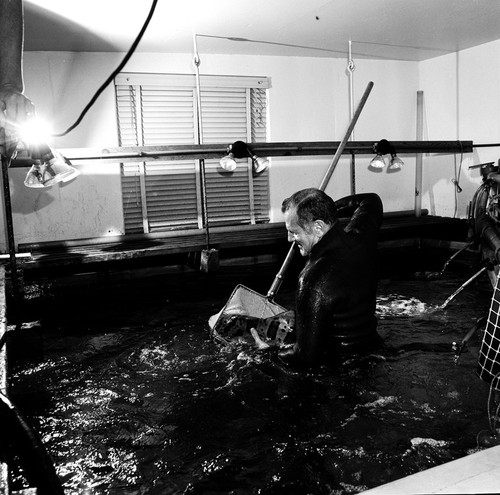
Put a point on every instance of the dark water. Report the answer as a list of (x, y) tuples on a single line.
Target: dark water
[(131, 396)]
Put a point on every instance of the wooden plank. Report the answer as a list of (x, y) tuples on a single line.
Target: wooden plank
[(85, 251)]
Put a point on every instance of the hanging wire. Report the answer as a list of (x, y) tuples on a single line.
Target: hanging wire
[(113, 74), (350, 69), (456, 179)]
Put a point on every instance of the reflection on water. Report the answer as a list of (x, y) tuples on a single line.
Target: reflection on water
[(132, 397)]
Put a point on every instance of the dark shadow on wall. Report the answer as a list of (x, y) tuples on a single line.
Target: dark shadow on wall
[(45, 30)]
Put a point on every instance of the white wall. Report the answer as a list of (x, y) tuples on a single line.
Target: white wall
[(461, 101), (308, 101)]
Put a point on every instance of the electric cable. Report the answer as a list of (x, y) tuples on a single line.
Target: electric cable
[(113, 74), (456, 179), (27, 445)]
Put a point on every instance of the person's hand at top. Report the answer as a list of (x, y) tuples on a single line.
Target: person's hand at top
[(15, 110)]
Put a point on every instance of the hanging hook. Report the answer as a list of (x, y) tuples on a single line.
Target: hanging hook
[(197, 60), (350, 63)]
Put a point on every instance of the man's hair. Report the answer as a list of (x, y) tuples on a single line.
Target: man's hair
[(311, 204)]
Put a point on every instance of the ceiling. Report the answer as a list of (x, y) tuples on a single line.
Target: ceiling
[(412, 30)]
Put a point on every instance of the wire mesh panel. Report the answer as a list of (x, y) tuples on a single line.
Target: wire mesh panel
[(488, 367)]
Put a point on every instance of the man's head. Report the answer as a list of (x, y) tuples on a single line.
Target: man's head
[(309, 215)]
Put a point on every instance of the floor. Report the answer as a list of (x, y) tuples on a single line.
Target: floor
[(475, 473)]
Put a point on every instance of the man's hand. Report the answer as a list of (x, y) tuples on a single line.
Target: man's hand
[(15, 110), (258, 341)]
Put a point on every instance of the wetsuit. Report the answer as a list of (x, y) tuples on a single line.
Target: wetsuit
[(336, 294)]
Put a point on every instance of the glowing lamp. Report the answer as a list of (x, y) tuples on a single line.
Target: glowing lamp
[(50, 167), (239, 149)]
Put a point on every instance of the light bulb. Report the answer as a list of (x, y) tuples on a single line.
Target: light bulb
[(378, 162), (396, 163), (259, 164), (228, 162)]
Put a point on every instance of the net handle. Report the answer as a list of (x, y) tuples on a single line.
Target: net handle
[(284, 267)]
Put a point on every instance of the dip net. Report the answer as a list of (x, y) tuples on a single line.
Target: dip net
[(247, 309)]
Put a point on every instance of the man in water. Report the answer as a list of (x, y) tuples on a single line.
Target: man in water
[(336, 293)]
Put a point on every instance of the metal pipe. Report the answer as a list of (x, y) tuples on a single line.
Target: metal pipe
[(9, 226), (353, 173), (199, 128), (418, 163), (460, 347), (451, 258), (350, 70), (4, 469), (462, 287), (129, 154)]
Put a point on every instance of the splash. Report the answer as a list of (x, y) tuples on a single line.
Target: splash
[(428, 441), (397, 305)]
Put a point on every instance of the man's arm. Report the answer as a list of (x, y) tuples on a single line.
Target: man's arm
[(365, 211), (15, 108), (11, 45)]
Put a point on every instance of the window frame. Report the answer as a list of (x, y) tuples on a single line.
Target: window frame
[(147, 104)]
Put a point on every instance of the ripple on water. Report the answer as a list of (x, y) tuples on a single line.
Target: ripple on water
[(162, 409)]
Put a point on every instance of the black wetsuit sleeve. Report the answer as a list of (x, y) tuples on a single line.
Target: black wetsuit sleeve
[(309, 327), (365, 212)]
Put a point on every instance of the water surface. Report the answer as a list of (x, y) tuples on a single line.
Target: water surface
[(131, 396)]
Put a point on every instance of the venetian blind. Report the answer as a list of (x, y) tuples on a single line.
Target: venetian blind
[(160, 109)]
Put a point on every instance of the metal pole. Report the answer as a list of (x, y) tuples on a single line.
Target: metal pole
[(4, 468), (350, 70), (418, 163), (209, 260), (462, 287), (9, 225), (199, 129), (353, 174)]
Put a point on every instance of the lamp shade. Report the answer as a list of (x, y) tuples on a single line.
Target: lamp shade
[(377, 161), (259, 164), (50, 167), (228, 162), (239, 150), (58, 169), (395, 163), (34, 178)]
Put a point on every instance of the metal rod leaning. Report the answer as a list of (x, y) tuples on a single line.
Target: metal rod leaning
[(331, 168)]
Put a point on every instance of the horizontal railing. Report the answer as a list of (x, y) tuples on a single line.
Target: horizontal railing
[(215, 151)]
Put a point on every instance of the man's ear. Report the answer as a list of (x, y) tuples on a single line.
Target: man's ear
[(320, 227)]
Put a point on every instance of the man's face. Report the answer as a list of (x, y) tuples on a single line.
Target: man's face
[(305, 238)]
